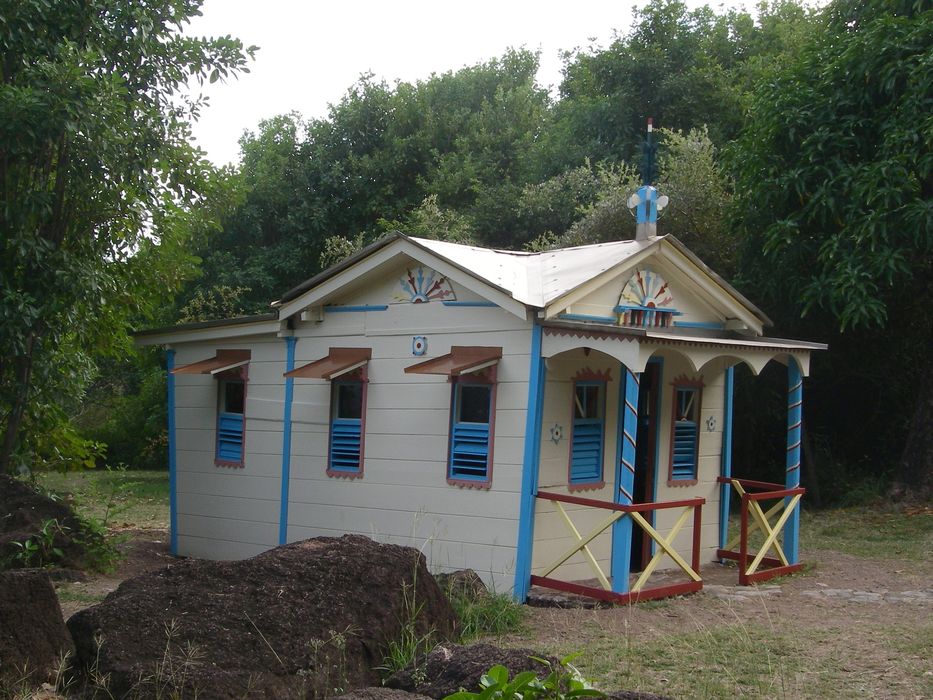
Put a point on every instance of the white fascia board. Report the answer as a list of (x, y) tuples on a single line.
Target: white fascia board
[(716, 295), (198, 335), (584, 290), (318, 295)]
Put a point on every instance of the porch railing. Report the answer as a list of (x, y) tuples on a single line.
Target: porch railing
[(752, 495), (665, 546)]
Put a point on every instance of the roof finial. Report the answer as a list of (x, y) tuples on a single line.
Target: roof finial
[(646, 201)]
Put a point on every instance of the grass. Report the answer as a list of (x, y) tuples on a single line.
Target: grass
[(726, 661), (880, 532), (118, 498)]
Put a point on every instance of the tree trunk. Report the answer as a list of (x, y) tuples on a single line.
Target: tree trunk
[(915, 475), (22, 370)]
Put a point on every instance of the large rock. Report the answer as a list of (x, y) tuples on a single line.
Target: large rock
[(450, 667), (33, 636), (297, 621), (23, 514)]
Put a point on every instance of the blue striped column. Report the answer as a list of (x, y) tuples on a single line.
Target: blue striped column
[(726, 490), (622, 529), (172, 464), (792, 477), (287, 439)]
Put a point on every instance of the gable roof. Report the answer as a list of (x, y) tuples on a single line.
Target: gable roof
[(532, 279)]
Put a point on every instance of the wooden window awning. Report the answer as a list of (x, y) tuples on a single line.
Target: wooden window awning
[(221, 362), (460, 360), (336, 362)]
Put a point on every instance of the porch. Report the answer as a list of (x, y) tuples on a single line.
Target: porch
[(643, 523)]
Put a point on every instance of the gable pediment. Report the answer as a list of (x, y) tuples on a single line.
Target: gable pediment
[(664, 287)]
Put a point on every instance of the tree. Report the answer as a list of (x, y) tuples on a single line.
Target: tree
[(96, 169), (835, 180)]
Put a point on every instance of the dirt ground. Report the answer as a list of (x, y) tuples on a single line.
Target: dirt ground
[(846, 627)]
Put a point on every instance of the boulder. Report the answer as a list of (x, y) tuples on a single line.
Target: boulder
[(23, 514), (450, 667), (33, 636), (464, 584), (297, 621)]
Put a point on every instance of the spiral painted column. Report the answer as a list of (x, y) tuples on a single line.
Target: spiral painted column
[(792, 477), (622, 529)]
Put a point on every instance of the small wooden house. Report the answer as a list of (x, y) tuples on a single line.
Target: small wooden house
[(530, 416)]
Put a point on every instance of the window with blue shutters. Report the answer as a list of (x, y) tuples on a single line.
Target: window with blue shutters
[(589, 428), (230, 421), (470, 432), (345, 456), (685, 435)]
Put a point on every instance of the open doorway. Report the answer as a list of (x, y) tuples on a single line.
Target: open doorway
[(646, 456)]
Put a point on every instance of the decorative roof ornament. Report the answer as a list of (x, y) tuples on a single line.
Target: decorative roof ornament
[(421, 285), (646, 201)]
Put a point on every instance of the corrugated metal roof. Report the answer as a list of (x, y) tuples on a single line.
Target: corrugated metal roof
[(537, 279)]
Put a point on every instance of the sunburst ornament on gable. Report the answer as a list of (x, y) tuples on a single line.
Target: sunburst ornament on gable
[(421, 285), (646, 301)]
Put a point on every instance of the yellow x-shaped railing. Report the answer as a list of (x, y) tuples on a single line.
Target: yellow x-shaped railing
[(788, 501), (665, 545)]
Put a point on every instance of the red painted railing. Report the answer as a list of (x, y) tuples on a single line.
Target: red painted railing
[(634, 512), (752, 493)]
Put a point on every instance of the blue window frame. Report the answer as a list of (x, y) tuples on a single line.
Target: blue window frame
[(685, 434), (231, 422), (347, 418), (471, 431), (589, 429)]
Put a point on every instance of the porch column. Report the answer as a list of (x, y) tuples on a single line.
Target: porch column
[(792, 477), (172, 464), (622, 529), (726, 467), (530, 462), (287, 439)]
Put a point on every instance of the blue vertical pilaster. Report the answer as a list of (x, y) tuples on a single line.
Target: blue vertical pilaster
[(726, 491), (792, 478), (530, 463), (287, 439), (622, 529), (172, 449)]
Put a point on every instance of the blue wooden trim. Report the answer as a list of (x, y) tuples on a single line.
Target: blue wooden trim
[(172, 450), (792, 478), (622, 529), (699, 324), (726, 491), (355, 309), (483, 304), (287, 439), (530, 462), (586, 317)]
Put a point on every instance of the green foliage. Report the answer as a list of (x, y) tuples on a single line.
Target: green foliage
[(220, 301), (40, 549), (563, 681), (487, 615), (95, 170), (836, 165)]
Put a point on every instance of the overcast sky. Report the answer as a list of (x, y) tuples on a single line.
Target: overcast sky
[(311, 52)]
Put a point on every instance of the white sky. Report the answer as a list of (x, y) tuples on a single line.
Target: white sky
[(311, 52)]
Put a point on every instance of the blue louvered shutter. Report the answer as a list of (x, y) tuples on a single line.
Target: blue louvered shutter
[(686, 434), (587, 450), (230, 437), (345, 439), (469, 432), (469, 452)]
